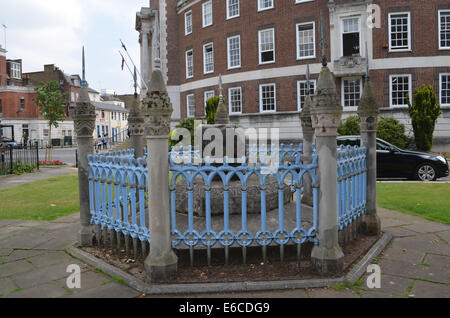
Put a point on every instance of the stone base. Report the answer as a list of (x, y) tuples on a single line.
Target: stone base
[(85, 236), (235, 197), (327, 261), (371, 224), (162, 269)]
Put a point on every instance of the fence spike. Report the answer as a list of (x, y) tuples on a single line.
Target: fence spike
[(191, 255), (111, 238), (135, 248), (208, 255), (99, 235), (118, 242), (127, 245), (299, 256), (244, 255)]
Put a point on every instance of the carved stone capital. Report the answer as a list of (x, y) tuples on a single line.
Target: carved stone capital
[(136, 120), (84, 115), (305, 115), (368, 110), (326, 125), (157, 112)]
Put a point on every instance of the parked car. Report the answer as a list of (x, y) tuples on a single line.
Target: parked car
[(393, 162), (8, 142)]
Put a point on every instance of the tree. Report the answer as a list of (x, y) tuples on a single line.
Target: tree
[(211, 110), (424, 113), (50, 102), (350, 127)]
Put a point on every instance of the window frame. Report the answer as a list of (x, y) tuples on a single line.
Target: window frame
[(15, 70), (440, 89), (229, 67), (361, 88), (359, 31), (391, 49), (185, 23), (261, 99), (206, 99), (187, 105), (230, 108), (187, 64), (299, 100), (228, 10), (204, 4), (409, 89), (298, 40), (204, 58), (440, 30), (259, 47), (264, 9)]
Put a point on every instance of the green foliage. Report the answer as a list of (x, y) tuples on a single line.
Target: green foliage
[(187, 123), (424, 113), (392, 131), (211, 110), (21, 168), (50, 102), (350, 127)]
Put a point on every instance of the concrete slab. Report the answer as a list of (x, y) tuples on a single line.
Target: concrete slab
[(15, 268), (411, 271), (401, 232), (438, 260), (427, 227), (426, 242), (48, 258), (21, 255), (6, 286), (113, 290), (5, 251), (444, 235), (42, 291), (430, 290), (89, 280), (407, 255), (330, 293)]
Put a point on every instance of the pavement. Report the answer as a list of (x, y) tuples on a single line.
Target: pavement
[(43, 173), (33, 261)]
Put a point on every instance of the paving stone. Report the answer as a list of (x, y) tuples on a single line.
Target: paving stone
[(26, 239), (331, 293), (113, 290), (401, 232), (407, 255), (6, 286), (444, 235), (42, 275), (389, 222), (89, 280), (425, 242), (48, 258), (31, 223), (4, 223), (430, 290), (5, 251), (375, 294), (427, 227), (15, 268), (438, 260), (42, 291), (408, 270), (68, 219), (21, 255)]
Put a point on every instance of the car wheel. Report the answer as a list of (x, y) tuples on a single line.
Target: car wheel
[(426, 172)]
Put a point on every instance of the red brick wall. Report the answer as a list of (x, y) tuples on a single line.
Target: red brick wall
[(3, 71), (11, 105)]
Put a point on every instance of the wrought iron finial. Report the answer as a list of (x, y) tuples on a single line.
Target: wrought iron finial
[(367, 65), (157, 45), (308, 80), (83, 71), (323, 40)]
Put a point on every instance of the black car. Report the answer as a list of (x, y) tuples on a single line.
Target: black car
[(393, 162)]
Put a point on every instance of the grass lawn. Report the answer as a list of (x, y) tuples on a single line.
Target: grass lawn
[(430, 201), (44, 200)]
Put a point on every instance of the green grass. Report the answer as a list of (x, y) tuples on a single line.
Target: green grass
[(430, 201), (45, 200)]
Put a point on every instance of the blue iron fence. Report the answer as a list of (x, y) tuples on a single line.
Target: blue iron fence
[(288, 172), (352, 184), (117, 196)]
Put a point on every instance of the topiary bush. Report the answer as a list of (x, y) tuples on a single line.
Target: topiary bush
[(424, 113), (392, 131), (187, 123), (350, 127)]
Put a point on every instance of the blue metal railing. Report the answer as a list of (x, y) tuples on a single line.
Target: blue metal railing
[(352, 184), (117, 195)]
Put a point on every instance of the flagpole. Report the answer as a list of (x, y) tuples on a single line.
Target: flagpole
[(126, 51), (4, 32), (129, 69)]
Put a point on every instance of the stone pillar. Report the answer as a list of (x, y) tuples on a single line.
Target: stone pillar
[(84, 122), (308, 140), (327, 257), (368, 113), (136, 126), (145, 56), (161, 264)]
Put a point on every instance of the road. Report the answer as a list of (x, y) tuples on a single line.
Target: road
[(66, 155)]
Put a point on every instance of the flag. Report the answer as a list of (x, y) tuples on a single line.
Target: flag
[(123, 62)]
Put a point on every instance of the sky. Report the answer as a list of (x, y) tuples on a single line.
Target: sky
[(53, 32)]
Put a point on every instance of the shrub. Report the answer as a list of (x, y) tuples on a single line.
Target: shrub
[(21, 168), (188, 124), (350, 127), (392, 131), (424, 113), (211, 110)]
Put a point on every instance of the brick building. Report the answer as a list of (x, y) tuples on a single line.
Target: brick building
[(262, 48)]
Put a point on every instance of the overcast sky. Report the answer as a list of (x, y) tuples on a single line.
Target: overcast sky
[(53, 31)]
